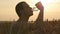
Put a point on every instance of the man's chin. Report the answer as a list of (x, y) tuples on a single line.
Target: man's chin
[(31, 14)]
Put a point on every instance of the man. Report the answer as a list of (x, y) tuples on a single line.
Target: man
[(24, 11)]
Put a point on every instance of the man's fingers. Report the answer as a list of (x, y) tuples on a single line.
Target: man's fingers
[(39, 5)]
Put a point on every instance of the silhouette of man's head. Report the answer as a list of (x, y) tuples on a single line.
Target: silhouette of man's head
[(23, 9)]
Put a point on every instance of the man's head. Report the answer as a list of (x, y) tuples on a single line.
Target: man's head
[(23, 9)]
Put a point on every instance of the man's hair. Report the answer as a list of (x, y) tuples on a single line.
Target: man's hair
[(19, 7)]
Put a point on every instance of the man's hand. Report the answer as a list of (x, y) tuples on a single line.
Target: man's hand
[(39, 6)]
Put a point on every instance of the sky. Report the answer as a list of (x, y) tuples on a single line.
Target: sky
[(51, 9)]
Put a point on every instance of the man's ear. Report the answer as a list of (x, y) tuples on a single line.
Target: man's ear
[(20, 12)]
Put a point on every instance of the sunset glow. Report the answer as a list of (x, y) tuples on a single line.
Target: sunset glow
[(8, 13), (44, 2)]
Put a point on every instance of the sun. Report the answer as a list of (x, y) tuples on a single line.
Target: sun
[(44, 2)]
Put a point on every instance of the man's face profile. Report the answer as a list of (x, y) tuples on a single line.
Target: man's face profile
[(24, 9), (27, 10)]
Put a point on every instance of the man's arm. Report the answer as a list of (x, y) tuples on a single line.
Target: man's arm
[(39, 20), (40, 16)]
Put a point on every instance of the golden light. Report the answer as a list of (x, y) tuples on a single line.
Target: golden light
[(44, 2)]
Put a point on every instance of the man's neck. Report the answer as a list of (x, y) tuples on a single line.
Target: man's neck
[(24, 19)]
